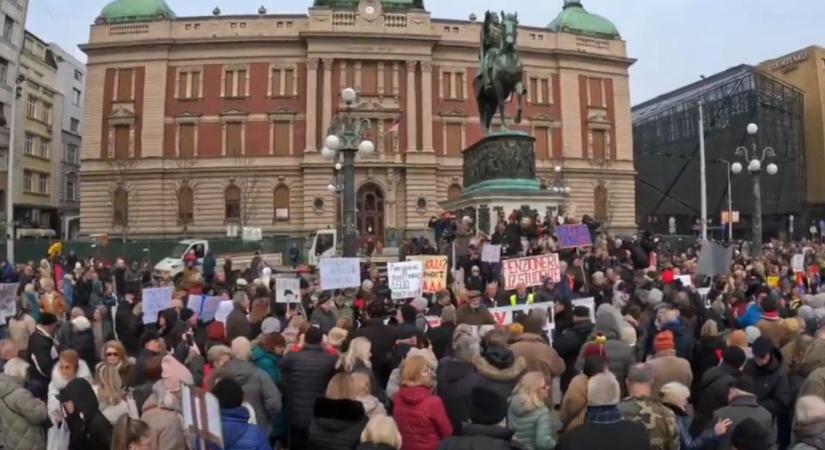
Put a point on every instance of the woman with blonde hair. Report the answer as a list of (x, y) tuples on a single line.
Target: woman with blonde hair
[(114, 354), (338, 418), (381, 433), (357, 357), (535, 426), (421, 416), (110, 393), (362, 386)]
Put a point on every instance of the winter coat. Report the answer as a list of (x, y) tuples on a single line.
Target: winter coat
[(810, 436), (455, 380), (620, 355), (238, 434), (500, 370), (441, 338), (622, 435), (682, 336), (336, 424), (667, 367), (382, 337), (535, 428), (659, 420), (306, 374), (42, 355), (707, 354), (574, 403), (477, 317), (20, 329), (259, 390), (128, 327), (237, 324), (21, 417), (82, 340), (88, 428), (713, 394), (774, 329), (166, 425), (482, 437), (140, 364), (772, 388), (539, 356), (814, 384), (324, 320), (686, 440), (741, 408), (568, 345), (421, 418), (268, 362), (58, 383)]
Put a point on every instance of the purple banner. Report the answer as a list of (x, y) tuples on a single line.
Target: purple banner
[(573, 236)]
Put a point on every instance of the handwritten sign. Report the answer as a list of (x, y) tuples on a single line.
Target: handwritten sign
[(435, 272), (154, 301), (340, 273), (491, 253), (798, 262), (573, 236), (531, 271), (686, 280), (204, 306), (405, 278), (8, 305), (287, 290), (224, 308), (201, 415)]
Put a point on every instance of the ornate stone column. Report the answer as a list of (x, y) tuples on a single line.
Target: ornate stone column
[(410, 112), (427, 106), (327, 99), (312, 105)]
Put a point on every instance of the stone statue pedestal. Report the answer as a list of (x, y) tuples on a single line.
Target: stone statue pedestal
[(499, 177)]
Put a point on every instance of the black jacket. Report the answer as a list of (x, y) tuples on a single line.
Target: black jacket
[(441, 339), (382, 337), (481, 437), (128, 328), (713, 394), (336, 424), (306, 374), (623, 435), (88, 427), (568, 346), (455, 382), (42, 356), (83, 341), (772, 388), (140, 365), (706, 355)]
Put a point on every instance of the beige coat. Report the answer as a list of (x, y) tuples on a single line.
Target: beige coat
[(667, 367), (539, 356), (20, 330), (774, 330), (166, 425), (574, 404)]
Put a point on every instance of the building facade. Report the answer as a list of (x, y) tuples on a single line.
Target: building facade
[(71, 76), (13, 14), (196, 125)]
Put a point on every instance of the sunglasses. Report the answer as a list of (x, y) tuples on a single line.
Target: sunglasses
[(112, 354)]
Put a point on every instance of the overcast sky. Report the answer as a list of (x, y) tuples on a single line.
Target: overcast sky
[(675, 41)]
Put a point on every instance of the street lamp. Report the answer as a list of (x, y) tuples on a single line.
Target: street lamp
[(559, 187), (736, 168), (755, 159), (346, 136)]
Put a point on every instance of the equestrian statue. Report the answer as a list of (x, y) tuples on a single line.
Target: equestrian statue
[(500, 73)]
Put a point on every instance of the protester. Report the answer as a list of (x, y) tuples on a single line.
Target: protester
[(574, 403), (620, 355), (68, 367), (642, 406), (161, 412), (537, 354), (665, 365), (338, 417), (535, 426), (21, 414), (456, 379), (88, 427), (237, 323), (441, 336), (380, 433), (238, 433), (43, 354), (258, 388), (110, 393), (570, 342), (421, 417), (473, 313), (714, 387), (675, 396), (707, 353), (743, 405), (771, 384), (131, 434), (810, 423)]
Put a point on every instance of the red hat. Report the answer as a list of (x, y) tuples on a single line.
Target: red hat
[(667, 276), (596, 347), (664, 341)]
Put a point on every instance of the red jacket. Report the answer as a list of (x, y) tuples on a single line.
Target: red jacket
[(421, 417)]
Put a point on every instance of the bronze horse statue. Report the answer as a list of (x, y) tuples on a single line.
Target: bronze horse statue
[(501, 72)]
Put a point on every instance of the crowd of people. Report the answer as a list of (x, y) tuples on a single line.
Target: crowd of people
[(658, 364)]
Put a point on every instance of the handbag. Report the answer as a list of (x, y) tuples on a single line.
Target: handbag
[(58, 437)]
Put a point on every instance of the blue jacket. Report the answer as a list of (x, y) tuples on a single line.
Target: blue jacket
[(238, 434), (752, 316)]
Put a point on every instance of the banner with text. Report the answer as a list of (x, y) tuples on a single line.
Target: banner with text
[(204, 306), (340, 273), (531, 270), (435, 272), (491, 253), (405, 278), (287, 290), (573, 236), (154, 301)]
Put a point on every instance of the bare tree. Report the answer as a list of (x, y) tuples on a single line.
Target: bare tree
[(185, 166), (121, 168), (247, 181)]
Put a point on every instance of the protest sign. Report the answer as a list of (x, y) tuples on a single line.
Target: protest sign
[(154, 301), (685, 279), (573, 236), (287, 290), (224, 308), (531, 270), (798, 262), (340, 273), (205, 307), (435, 272), (714, 259), (491, 253), (405, 278), (201, 415), (8, 304)]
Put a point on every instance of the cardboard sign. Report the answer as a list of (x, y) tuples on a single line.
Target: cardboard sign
[(201, 415), (405, 278), (573, 236), (287, 290), (531, 270), (224, 308), (435, 272), (340, 273), (8, 304), (798, 262), (205, 307), (491, 253), (154, 301)]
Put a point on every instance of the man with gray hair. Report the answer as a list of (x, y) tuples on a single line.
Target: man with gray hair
[(455, 379), (641, 407), (604, 426), (21, 414), (237, 323)]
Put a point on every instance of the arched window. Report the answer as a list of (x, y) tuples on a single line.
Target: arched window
[(600, 203), (453, 192), (120, 212), (186, 204), (233, 203), (281, 205)]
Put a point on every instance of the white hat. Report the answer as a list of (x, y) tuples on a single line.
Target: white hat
[(270, 325)]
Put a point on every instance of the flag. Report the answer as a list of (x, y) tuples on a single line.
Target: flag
[(395, 126)]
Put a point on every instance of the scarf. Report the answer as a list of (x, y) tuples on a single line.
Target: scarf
[(603, 414), (770, 315)]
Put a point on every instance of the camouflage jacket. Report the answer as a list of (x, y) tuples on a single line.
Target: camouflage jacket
[(657, 418)]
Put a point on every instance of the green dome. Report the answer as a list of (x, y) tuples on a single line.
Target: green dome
[(135, 11), (575, 19)]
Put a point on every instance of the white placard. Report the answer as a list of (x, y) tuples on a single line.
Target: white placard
[(287, 290), (340, 273), (198, 405), (205, 307), (491, 253), (154, 301), (8, 305), (686, 280), (223, 311), (798, 262), (405, 278)]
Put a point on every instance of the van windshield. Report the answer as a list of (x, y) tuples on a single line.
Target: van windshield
[(179, 251)]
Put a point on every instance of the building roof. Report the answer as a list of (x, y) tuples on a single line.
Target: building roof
[(136, 11), (575, 19), (388, 4)]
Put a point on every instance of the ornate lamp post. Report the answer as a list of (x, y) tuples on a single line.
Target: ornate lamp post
[(346, 137), (559, 187), (755, 159)]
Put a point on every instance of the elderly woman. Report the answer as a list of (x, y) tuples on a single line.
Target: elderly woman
[(21, 414), (675, 396), (113, 354)]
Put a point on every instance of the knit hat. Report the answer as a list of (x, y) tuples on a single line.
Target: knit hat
[(47, 319), (734, 356), (229, 393), (738, 339), (270, 325), (487, 407), (752, 333), (581, 311), (216, 331), (596, 347), (654, 296), (664, 341), (515, 329), (762, 346), (750, 435)]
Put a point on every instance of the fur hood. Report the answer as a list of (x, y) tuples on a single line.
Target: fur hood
[(82, 372), (491, 372), (333, 413), (81, 323)]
